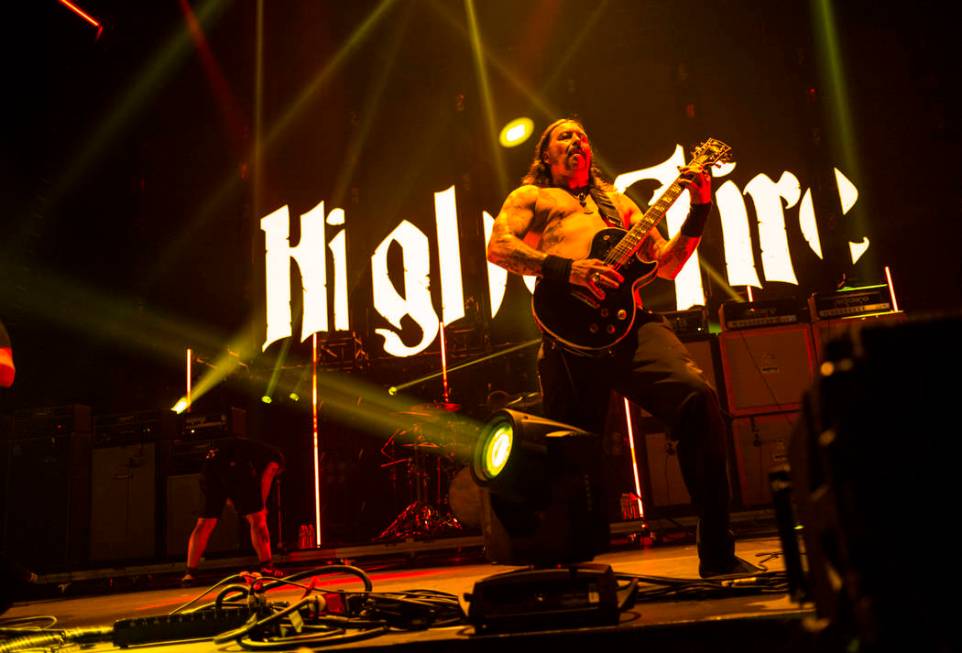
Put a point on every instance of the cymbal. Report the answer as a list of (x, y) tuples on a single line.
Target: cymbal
[(525, 400), (438, 405), (421, 445), (423, 414)]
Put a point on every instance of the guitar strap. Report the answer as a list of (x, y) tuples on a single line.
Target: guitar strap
[(606, 208)]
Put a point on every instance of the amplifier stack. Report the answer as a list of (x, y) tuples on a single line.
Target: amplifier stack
[(47, 487), (762, 362), (117, 488)]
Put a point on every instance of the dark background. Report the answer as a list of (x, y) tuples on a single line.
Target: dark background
[(130, 219)]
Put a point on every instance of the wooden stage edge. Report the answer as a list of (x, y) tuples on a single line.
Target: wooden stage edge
[(745, 523), (742, 622)]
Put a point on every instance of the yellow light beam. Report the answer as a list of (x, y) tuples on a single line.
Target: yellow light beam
[(719, 280), (393, 390), (354, 41), (239, 349), (89, 311), (146, 83), (257, 162), (832, 73), (278, 363), (545, 108), (562, 64), (298, 105), (372, 106), (477, 49)]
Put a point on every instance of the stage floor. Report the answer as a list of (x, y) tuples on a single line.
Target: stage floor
[(737, 623)]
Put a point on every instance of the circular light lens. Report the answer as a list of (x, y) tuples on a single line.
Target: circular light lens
[(516, 132), (497, 450)]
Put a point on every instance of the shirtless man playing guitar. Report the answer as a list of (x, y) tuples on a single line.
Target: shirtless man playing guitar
[(548, 227)]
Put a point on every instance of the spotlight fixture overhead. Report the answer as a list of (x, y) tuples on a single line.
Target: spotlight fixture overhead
[(266, 399), (516, 132)]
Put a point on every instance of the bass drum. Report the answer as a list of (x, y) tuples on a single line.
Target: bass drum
[(465, 499)]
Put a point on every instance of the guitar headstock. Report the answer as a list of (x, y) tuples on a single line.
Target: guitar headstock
[(711, 152)]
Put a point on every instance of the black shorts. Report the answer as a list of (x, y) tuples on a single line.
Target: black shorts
[(230, 479)]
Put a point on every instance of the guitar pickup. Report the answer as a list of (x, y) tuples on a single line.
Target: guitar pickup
[(587, 298)]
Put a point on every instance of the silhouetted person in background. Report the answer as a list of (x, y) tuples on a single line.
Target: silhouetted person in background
[(241, 471)]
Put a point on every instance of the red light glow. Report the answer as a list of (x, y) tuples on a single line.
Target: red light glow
[(634, 460), (83, 14), (317, 469)]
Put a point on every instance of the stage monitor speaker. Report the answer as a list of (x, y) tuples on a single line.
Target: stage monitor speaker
[(766, 370), (703, 350), (184, 503), (848, 330), (874, 474), (47, 508), (761, 443), (123, 503)]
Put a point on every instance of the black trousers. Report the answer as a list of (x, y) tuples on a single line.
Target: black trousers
[(654, 369)]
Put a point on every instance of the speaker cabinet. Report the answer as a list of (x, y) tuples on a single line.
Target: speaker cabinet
[(665, 485), (123, 503), (826, 331), (703, 351), (766, 370), (47, 493), (184, 503), (761, 443)]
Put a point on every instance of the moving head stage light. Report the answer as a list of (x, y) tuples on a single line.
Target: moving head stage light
[(541, 505)]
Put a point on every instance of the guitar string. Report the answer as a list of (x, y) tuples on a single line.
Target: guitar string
[(619, 255)]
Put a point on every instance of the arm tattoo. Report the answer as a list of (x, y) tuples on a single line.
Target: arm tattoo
[(507, 248), (675, 253)]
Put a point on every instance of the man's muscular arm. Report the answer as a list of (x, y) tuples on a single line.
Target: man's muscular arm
[(506, 247), (673, 254)]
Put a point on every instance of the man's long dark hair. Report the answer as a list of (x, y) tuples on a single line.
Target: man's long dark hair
[(539, 173)]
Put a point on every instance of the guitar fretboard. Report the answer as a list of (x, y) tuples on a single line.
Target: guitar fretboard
[(630, 243), (708, 154)]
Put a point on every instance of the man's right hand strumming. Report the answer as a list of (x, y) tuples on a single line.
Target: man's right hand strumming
[(594, 275)]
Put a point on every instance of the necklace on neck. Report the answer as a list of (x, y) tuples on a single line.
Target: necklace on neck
[(582, 196)]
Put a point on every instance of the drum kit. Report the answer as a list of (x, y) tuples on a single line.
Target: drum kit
[(428, 458)]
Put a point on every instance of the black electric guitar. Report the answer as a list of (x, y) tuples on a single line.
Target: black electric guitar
[(576, 318)]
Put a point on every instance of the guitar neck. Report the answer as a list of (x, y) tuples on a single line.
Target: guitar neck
[(656, 212)]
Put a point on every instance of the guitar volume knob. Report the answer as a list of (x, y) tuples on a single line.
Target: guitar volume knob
[(622, 314), (610, 329), (604, 312), (593, 328)]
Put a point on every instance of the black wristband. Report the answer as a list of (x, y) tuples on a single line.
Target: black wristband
[(556, 268), (694, 225)]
